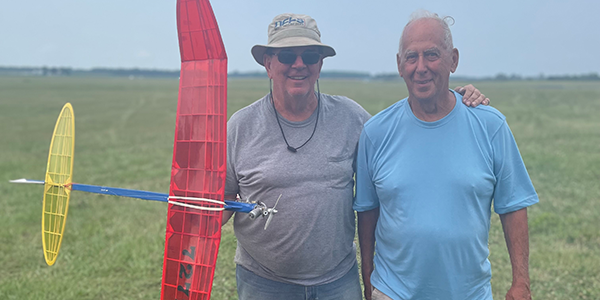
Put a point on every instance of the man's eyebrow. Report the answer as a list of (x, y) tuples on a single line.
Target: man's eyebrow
[(409, 52), (430, 50), (433, 49)]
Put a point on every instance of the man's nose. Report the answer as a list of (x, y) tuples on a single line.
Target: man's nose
[(298, 63), (421, 67)]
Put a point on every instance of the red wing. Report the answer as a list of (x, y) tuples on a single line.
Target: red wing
[(199, 155)]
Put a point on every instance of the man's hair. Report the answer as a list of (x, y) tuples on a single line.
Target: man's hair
[(445, 22)]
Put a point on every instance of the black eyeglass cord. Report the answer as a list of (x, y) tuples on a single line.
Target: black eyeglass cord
[(290, 148)]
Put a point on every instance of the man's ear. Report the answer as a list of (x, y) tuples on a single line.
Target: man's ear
[(267, 63), (398, 60), (320, 66), (454, 60)]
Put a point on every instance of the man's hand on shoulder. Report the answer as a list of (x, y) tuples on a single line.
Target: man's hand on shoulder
[(472, 96)]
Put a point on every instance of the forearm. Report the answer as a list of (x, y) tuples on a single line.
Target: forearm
[(516, 235), (227, 213), (367, 222)]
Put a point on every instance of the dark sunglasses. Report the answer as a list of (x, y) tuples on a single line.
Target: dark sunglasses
[(289, 57)]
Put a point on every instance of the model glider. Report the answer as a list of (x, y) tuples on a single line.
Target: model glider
[(58, 186), (196, 195)]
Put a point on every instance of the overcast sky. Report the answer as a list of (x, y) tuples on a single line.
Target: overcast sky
[(527, 37)]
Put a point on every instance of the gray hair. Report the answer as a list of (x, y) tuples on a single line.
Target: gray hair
[(445, 22)]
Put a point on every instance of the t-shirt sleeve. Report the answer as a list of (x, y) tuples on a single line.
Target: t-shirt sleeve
[(513, 189), (366, 195)]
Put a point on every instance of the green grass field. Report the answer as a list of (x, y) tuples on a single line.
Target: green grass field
[(113, 247)]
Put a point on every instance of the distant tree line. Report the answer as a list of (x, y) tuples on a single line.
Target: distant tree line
[(517, 77), (152, 73)]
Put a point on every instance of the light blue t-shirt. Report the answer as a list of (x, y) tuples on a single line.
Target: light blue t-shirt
[(434, 183)]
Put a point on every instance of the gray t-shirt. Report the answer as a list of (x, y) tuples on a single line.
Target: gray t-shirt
[(310, 239)]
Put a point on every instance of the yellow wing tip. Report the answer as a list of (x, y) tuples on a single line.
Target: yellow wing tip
[(50, 262)]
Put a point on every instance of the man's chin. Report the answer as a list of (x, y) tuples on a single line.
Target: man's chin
[(299, 92), (423, 96)]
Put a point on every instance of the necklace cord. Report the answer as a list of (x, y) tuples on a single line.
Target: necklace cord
[(295, 149)]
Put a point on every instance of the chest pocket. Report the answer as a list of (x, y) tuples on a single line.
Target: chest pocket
[(340, 173)]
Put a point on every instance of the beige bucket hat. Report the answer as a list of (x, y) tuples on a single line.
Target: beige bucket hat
[(292, 30)]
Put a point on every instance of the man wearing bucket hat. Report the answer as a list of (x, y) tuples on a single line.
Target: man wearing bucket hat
[(299, 144)]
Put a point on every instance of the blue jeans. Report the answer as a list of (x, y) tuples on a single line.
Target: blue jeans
[(253, 287)]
